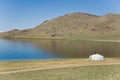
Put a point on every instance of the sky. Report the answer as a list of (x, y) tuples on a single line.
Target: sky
[(24, 14)]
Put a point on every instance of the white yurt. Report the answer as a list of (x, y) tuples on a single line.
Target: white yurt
[(96, 57)]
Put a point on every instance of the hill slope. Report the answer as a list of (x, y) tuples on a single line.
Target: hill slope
[(75, 25)]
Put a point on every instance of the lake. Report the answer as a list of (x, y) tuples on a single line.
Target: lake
[(32, 49)]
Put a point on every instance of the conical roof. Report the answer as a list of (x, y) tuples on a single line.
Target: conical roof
[(96, 57)]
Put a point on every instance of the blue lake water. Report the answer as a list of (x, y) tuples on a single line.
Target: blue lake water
[(17, 50), (26, 49)]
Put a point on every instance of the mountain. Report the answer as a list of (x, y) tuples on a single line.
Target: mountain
[(73, 26)]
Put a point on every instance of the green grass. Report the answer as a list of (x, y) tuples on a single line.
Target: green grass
[(108, 72)]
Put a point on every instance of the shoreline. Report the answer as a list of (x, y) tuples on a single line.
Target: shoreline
[(33, 65), (60, 38)]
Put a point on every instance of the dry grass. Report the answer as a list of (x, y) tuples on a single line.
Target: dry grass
[(68, 69), (20, 66), (108, 72)]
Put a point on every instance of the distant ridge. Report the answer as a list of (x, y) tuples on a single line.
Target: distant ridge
[(73, 26)]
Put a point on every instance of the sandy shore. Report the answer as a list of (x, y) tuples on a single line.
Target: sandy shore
[(106, 40), (22, 66)]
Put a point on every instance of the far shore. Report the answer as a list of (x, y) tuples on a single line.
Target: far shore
[(23, 66), (106, 40), (63, 38)]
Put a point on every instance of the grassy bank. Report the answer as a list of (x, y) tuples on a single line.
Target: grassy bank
[(106, 72), (21, 66), (67, 38), (66, 69)]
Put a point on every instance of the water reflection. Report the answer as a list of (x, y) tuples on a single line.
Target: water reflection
[(23, 49), (77, 49)]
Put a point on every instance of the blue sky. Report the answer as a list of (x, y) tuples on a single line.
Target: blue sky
[(23, 14)]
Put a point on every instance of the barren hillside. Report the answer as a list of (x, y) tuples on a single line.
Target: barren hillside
[(75, 25)]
